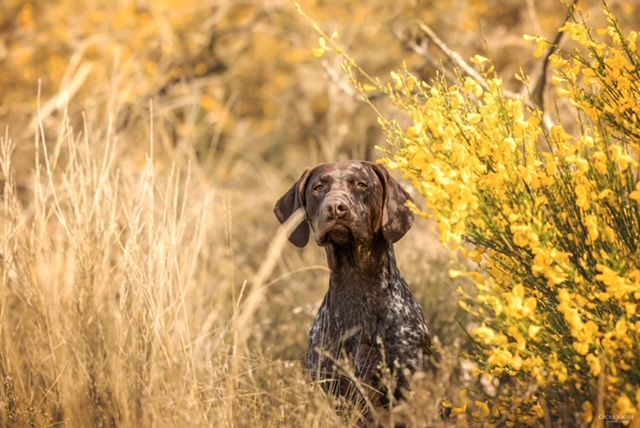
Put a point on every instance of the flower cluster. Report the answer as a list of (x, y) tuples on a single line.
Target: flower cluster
[(551, 217)]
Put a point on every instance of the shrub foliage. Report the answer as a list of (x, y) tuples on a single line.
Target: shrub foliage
[(550, 215)]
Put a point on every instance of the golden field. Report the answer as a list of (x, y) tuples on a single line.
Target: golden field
[(145, 279)]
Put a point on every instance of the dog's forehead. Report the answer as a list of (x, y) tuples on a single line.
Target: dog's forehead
[(343, 170)]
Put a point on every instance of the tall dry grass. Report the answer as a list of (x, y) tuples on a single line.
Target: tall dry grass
[(127, 297), (99, 298)]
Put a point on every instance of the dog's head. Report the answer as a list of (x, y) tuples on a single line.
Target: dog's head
[(347, 202)]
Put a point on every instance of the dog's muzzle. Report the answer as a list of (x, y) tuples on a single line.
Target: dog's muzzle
[(335, 221)]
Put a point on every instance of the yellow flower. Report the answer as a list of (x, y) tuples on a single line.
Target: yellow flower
[(396, 79), (415, 131), (517, 305), (587, 412), (600, 159), (462, 409), (322, 50), (635, 195), (533, 330), (589, 331), (592, 227), (557, 368), (560, 135), (483, 411), (485, 334), (594, 365), (630, 308), (581, 348), (624, 407), (472, 87), (582, 197), (543, 264), (538, 410), (617, 285), (499, 357), (516, 363), (621, 328), (622, 159), (541, 44)]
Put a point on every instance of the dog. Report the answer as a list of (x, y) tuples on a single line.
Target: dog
[(369, 322)]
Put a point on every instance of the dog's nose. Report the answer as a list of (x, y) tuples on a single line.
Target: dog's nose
[(336, 208)]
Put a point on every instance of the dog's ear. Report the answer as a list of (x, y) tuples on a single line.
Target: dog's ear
[(397, 218), (289, 203)]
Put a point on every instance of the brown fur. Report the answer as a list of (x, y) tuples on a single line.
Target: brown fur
[(369, 318)]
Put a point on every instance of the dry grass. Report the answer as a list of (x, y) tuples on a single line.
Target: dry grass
[(142, 294)]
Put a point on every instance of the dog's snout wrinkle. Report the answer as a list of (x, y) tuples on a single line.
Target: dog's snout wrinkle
[(336, 206)]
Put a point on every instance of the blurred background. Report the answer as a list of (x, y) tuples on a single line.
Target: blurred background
[(231, 90)]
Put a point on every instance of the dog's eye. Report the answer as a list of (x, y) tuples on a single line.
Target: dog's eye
[(318, 187), (362, 185)]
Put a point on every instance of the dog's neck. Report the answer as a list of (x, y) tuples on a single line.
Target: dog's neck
[(362, 265)]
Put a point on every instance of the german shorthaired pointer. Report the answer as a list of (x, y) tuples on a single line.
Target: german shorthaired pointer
[(369, 318)]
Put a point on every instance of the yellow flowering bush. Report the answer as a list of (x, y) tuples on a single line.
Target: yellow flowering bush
[(550, 215)]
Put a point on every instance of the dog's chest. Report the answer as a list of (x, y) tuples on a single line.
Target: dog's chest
[(385, 317)]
